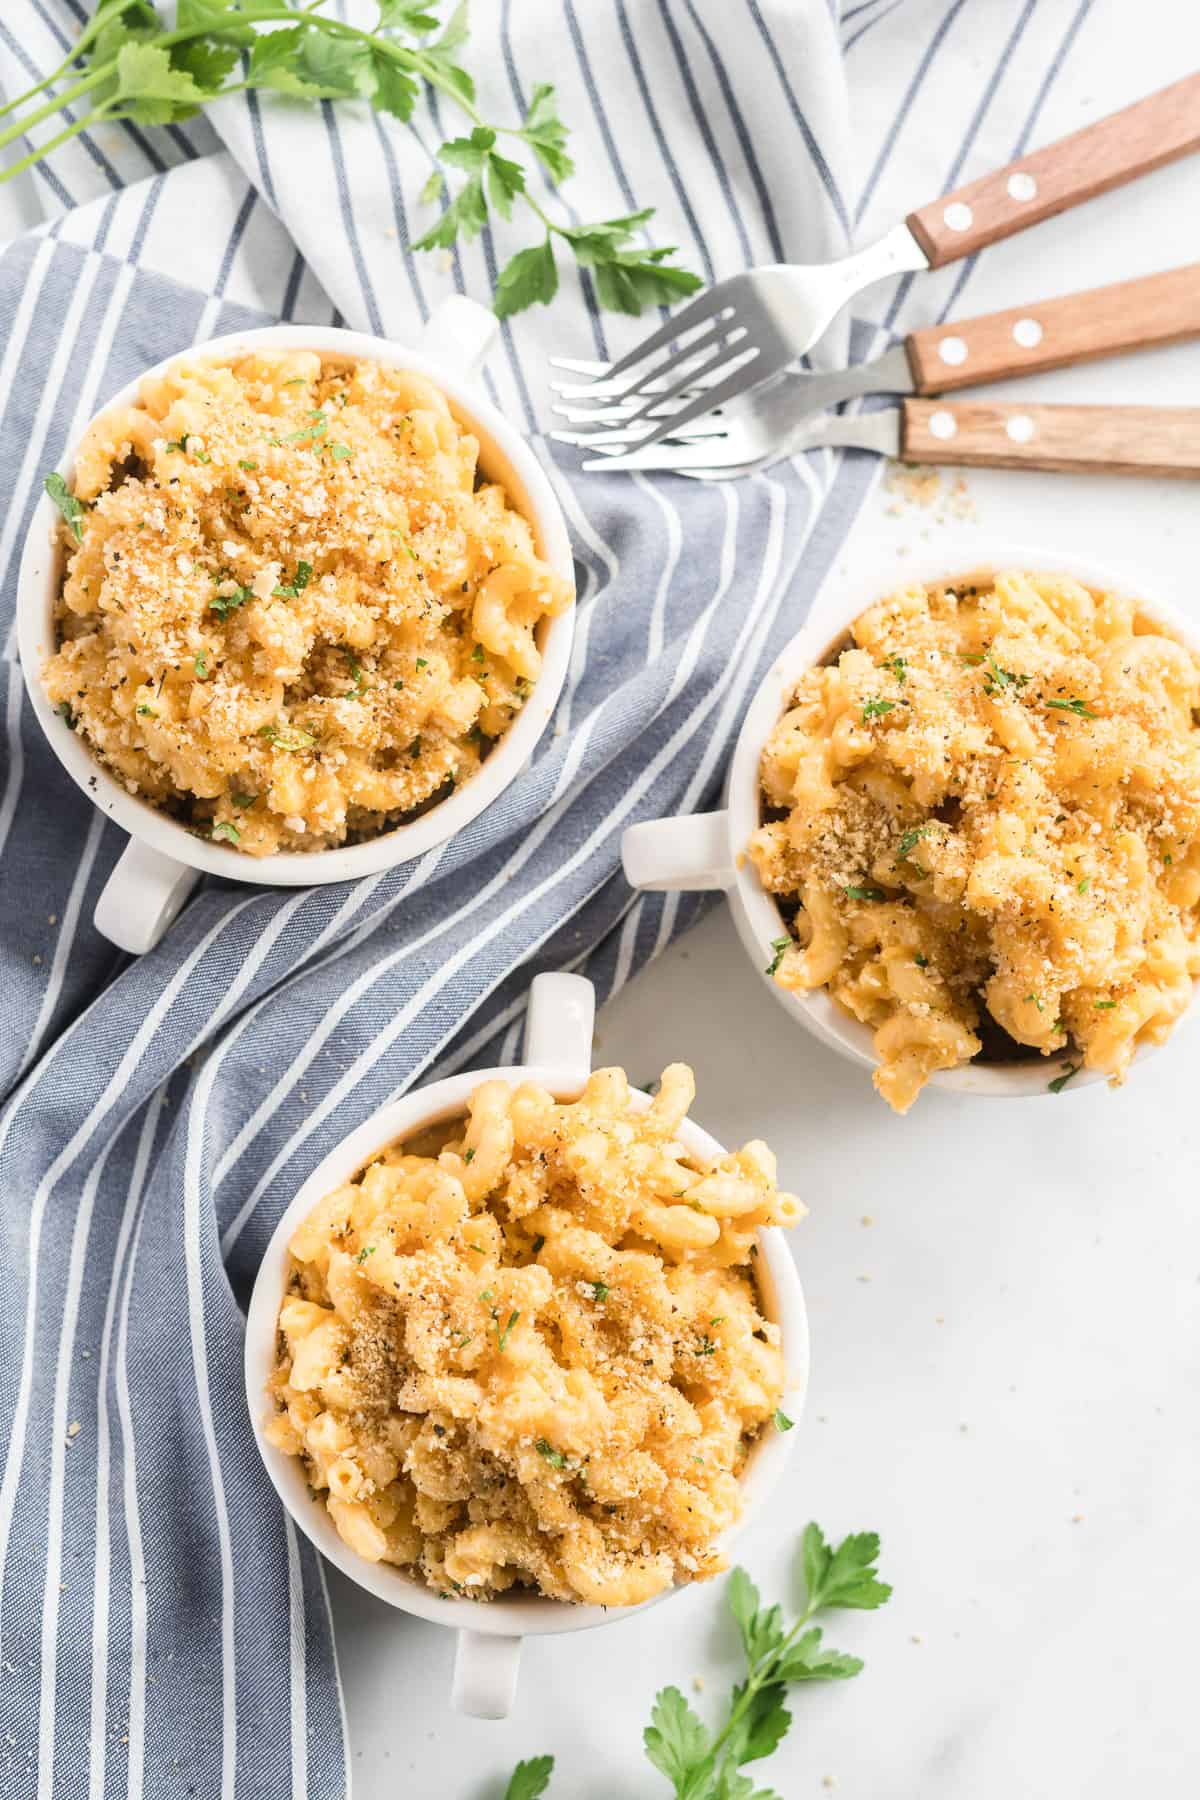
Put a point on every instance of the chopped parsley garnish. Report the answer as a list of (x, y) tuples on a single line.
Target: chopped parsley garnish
[(288, 737), (178, 443), (997, 679), (898, 666), (1035, 1001), (782, 1422), (201, 665), (399, 686), (874, 709), (705, 1346), (1168, 858), (1079, 707), (865, 893), (1105, 1005), (63, 710), (780, 945), (600, 1292), (363, 1254), (414, 749), (202, 456), (72, 510), (468, 1156), (356, 675), (339, 452), (554, 1457), (487, 1294), (972, 658), (224, 604), (422, 663), (147, 712), (310, 434), (504, 1335), (910, 840), (1082, 887), (242, 801), (922, 962), (223, 829), (247, 465), (297, 381), (297, 584), (1060, 1081), (477, 653)]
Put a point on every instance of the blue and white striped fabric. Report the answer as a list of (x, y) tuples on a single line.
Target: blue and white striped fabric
[(163, 1631)]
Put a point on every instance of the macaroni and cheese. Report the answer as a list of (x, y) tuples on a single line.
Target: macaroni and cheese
[(986, 813), (536, 1355), (293, 612)]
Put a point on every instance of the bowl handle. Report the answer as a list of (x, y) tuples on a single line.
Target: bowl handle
[(558, 1025), (485, 1675), (460, 333), (142, 897), (685, 854)]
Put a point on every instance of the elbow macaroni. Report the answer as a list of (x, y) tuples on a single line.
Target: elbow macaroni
[(985, 814), (296, 613), (528, 1349)]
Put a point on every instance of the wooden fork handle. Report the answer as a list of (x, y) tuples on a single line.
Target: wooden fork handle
[(1111, 440), (1129, 315), (1154, 131)]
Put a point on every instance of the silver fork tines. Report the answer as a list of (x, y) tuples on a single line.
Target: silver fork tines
[(738, 335)]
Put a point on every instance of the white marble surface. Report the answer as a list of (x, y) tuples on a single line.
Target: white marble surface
[(1006, 1360)]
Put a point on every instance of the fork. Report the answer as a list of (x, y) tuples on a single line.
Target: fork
[(1043, 334), (748, 328), (1125, 440)]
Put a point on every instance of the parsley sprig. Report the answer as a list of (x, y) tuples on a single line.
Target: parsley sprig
[(703, 1763), (126, 64)]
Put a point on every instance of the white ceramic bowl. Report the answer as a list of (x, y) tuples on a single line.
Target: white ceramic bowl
[(558, 1046), (164, 860), (707, 850)]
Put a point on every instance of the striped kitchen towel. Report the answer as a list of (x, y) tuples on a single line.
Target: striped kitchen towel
[(163, 1630)]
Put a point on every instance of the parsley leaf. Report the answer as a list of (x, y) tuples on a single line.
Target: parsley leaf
[(546, 134), (1060, 1081), (554, 1457), (864, 893), (72, 510), (677, 1743), (782, 1422), (1079, 707), (290, 737), (530, 1779), (706, 1765), (530, 278), (143, 68), (224, 604), (781, 946), (875, 709), (845, 1576), (223, 829)]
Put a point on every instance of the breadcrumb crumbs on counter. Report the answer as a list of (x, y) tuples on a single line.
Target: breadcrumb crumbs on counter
[(298, 613)]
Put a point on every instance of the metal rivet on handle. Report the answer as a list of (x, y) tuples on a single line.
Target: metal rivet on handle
[(942, 424), (952, 350), (1020, 428), (1028, 333), (958, 216), (1022, 186)]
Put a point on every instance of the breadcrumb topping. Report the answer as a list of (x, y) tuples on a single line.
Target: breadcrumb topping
[(983, 822), (297, 614)]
